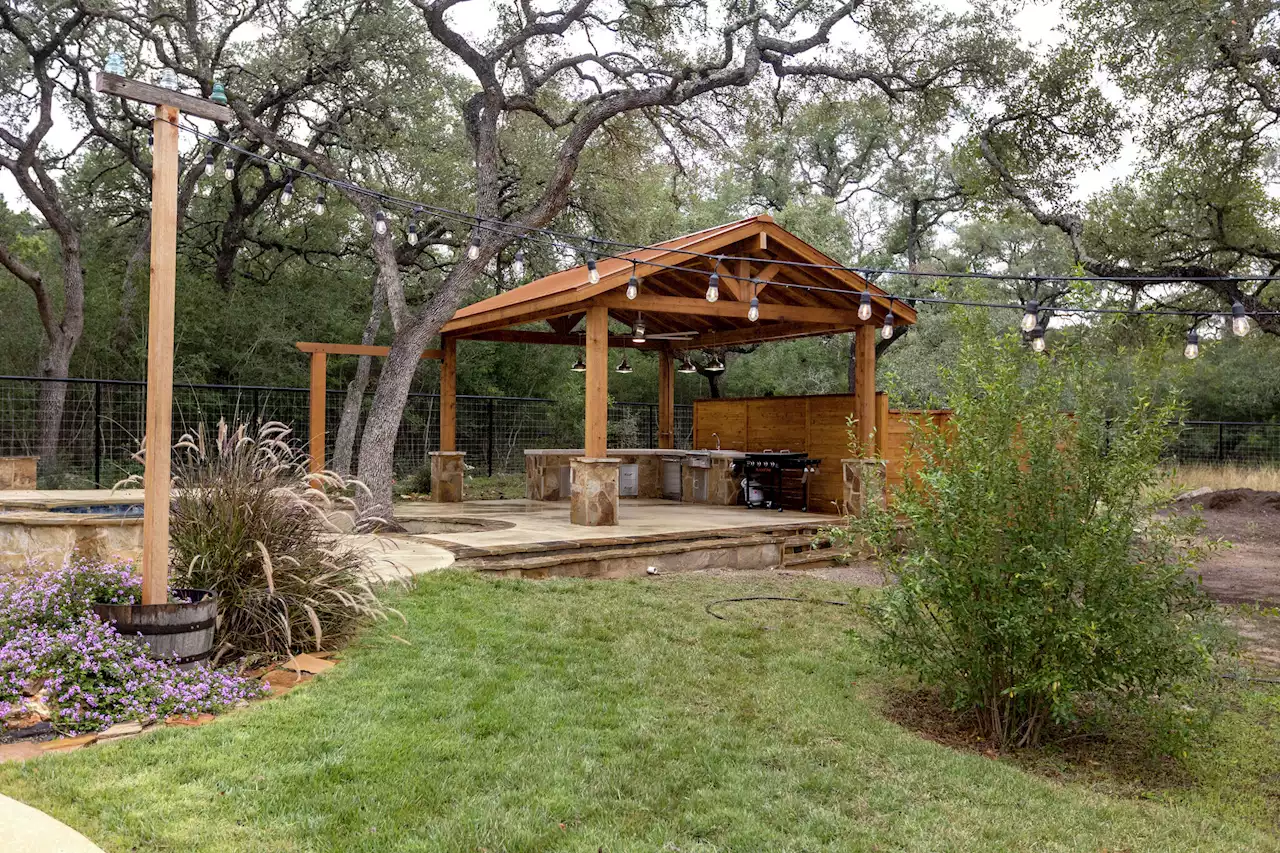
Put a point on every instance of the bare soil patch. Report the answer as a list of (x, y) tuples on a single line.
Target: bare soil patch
[(1248, 572)]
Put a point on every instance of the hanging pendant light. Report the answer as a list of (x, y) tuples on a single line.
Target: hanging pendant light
[(579, 366), (633, 284), (624, 366), (713, 287), (886, 331), (686, 366), (1031, 318), (637, 331), (716, 365)]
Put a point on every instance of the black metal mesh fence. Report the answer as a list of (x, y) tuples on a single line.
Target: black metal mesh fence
[(104, 420)]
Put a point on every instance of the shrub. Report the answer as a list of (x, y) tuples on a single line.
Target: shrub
[(59, 658), (1034, 576), (247, 524)]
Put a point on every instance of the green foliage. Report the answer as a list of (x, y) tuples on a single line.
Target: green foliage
[(1036, 580), (248, 525)]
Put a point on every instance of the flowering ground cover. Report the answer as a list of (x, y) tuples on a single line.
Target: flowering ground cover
[(59, 660), (619, 716)]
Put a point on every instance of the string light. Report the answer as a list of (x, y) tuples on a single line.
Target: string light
[(1239, 321), (886, 331), (413, 233), (1037, 338), (624, 366), (864, 306), (318, 207), (753, 313), (517, 265), (286, 195), (1031, 318), (379, 223), (637, 331), (229, 169), (1192, 349), (593, 274), (633, 284), (208, 165), (1239, 317), (473, 251)]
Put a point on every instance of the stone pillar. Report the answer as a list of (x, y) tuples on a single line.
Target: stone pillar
[(447, 467), (593, 499), (864, 481)]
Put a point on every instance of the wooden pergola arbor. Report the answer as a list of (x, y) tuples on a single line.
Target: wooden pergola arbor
[(677, 316)]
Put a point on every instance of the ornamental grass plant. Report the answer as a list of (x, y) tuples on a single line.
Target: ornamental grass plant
[(1036, 580), (251, 523)]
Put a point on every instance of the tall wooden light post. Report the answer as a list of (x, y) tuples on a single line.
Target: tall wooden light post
[(164, 246)]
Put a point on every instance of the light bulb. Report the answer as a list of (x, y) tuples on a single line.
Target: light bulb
[(286, 195), (413, 233), (716, 366), (713, 287), (380, 223), (864, 306), (318, 207), (637, 332), (1192, 349), (886, 331), (208, 165), (1037, 339), (1239, 320), (593, 274), (1032, 316), (633, 287), (753, 313), (473, 251), (517, 265), (229, 170), (115, 64), (168, 79)]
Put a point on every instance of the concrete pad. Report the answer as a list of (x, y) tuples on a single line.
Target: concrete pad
[(27, 830)]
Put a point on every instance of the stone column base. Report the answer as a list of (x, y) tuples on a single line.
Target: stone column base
[(447, 467), (593, 498), (864, 481)]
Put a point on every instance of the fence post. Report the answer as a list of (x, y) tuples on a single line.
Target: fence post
[(489, 451), (97, 435)]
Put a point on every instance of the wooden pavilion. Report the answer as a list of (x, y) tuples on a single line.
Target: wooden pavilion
[(673, 307)]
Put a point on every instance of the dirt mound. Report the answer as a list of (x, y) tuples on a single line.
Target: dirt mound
[(1235, 500)]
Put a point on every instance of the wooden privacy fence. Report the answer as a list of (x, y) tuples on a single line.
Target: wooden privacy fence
[(817, 425)]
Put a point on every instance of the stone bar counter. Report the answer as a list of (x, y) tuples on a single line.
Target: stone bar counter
[(692, 476)]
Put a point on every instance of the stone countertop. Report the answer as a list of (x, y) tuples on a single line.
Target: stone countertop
[(640, 451)]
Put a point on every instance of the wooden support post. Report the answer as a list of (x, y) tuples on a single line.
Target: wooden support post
[(157, 481), (449, 395), (865, 387), (597, 419), (316, 431), (666, 399)]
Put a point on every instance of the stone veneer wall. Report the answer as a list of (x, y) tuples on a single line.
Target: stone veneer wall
[(542, 474), (18, 472), (49, 538), (723, 488)]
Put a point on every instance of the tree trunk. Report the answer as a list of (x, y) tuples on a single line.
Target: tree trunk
[(55, 363), (352, 405), (129, 292)]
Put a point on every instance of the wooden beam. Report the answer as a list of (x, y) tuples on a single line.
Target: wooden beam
[(759, 333), (449, 395), (316, 425), (864, 383), (597, 420), (157, 479), (666, 399), (524, 336), (734, 310), (136, 90), (357, 349)]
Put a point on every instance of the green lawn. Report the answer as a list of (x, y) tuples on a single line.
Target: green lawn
[(582, 716)]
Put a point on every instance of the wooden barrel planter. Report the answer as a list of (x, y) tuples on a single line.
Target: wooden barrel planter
[(179, 632)]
